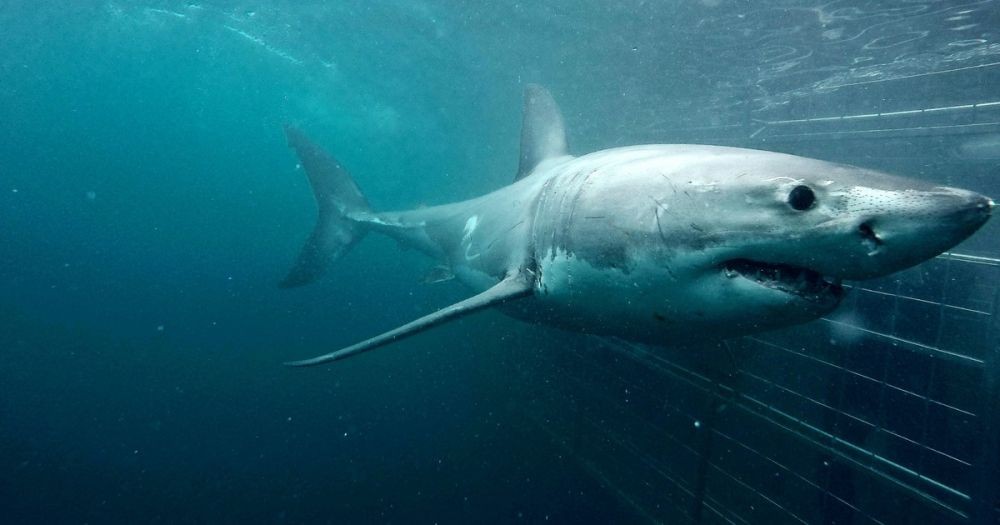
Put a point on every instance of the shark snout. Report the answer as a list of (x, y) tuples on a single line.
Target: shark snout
[(967, 209), (985, 203), (912, 232), (982, 206), (947, 211)]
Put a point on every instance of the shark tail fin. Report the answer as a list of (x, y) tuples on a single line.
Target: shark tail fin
[(337, 197)]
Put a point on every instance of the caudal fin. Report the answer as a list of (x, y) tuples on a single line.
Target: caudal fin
[(337, 197)]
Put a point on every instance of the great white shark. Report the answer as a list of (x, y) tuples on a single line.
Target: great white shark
[(663, 244)]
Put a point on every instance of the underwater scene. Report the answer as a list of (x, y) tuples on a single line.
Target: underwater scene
[(430, 261)]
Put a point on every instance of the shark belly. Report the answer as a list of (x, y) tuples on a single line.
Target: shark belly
[(638, 304)]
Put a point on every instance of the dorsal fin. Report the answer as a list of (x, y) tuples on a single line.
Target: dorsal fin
[(543, 134)]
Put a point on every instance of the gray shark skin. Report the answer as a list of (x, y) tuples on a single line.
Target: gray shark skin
[(663, 244)]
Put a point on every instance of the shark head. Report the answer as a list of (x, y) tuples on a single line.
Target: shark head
[(732, 241)]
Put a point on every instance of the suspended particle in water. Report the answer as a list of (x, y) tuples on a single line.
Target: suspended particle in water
[(91, 195)]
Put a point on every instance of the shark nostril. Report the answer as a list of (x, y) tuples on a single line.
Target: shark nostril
[(869, 238)]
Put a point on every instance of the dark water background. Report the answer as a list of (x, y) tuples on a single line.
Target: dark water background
[(149, 205)]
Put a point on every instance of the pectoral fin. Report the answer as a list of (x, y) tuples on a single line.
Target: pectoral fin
[(513, 287)]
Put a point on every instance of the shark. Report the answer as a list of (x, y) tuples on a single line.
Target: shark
[(663, 244)]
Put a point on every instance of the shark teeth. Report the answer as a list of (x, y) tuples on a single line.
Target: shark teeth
[(803, 282)]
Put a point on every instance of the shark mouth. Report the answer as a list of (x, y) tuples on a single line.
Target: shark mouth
[(803, 282)]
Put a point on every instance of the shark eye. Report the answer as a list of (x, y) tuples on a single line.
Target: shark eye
[(801, 198)]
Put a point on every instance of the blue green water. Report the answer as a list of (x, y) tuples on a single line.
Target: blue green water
[(149, 205)]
